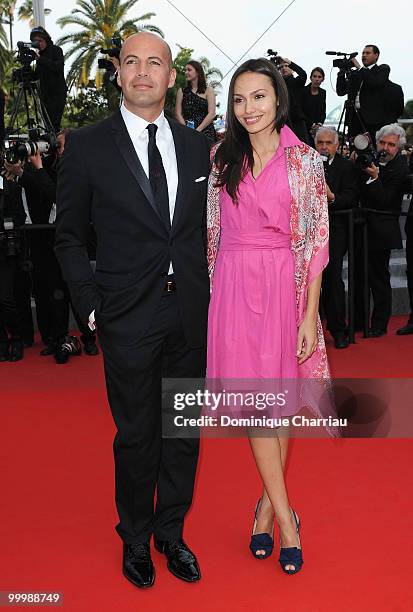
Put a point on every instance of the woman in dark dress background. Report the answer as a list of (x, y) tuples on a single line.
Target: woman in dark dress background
[(314, 102), (195, 103)]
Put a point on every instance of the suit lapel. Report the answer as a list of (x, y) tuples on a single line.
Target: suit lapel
[(180, 161), (127, 150)]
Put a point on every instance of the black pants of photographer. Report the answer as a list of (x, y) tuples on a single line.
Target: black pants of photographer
[(333, 291), (8, 309), (380, 287), (55, 108), (409, 262), (53, 304)]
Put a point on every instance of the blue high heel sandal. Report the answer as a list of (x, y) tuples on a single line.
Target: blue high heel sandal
[(293, 555), (261, 541)]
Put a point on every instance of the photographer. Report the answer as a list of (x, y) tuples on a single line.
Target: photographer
[(383, 189), (295, 86), (365, 86), (50, 72), (407, 329), (342, 194), (50, 290), (11, 214)]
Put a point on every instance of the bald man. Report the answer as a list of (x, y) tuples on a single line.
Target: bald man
[(141, 179)]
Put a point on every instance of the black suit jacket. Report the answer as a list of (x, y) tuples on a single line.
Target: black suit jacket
[(101, 180), (385, 193), (343, 181), (372, 105)]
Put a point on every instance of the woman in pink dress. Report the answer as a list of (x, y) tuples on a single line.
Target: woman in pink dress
[(267, 247)]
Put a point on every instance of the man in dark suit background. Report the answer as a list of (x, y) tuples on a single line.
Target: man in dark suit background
[(141, 179), (384, 190), (342, 194), (295, 86), (365, 88)]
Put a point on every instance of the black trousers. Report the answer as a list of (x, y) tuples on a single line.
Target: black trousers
[(145, 462), (409, 263), (51, 293), (333, 291), (380, 287), (8, 308)]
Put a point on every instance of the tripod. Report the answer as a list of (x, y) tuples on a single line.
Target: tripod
[(28, 90), (347, 114)]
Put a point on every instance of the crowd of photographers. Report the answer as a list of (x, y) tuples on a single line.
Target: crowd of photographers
[(369, 172)]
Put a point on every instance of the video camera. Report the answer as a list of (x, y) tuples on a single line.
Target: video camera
[(114, 51), (345, 63), (275, 58), (25, 56), (366, 152)]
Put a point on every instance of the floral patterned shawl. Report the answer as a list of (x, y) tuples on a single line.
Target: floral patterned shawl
[(309, 243)]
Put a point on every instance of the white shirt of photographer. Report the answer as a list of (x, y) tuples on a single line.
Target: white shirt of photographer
[(139, 136)]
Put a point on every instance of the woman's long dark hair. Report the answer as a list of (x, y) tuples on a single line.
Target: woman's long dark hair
[(201, 77), (235, 155)]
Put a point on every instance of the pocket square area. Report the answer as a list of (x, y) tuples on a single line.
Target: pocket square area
[(200, 178)]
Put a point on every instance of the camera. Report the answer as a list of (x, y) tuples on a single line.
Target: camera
[(21, 147), (275, 58), (366, 153), (25, 56), (114, 51), (345, 63), (10, 239)]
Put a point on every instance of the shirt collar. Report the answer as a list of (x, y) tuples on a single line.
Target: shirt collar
[(138, 124)]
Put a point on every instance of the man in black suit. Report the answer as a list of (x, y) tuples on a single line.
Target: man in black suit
[(342, 194), (365, 88), (141, 179), (295, 86), (384, 190)]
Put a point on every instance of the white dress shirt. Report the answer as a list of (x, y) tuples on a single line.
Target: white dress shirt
[(139, 136), (357, 100)]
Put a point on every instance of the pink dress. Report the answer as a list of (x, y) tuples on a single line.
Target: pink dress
[(252, 327)]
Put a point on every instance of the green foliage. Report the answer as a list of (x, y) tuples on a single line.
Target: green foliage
[(87, 106), (408, 110), (100, 21), (179, 64)]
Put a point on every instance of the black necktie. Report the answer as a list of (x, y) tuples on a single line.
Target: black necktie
[(157, 177)]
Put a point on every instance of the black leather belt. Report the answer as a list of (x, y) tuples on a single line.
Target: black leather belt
[(169, 286)]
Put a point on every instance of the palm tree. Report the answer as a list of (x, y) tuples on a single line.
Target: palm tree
[(100, 20), (7, 10), (213, 75), (25, 12)]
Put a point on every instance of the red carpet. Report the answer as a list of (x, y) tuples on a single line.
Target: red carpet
[(58, 513)]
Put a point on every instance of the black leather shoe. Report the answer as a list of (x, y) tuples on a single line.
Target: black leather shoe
[(90, 347), (376, 333), (341, 341), (182, 562), (49, 349), (4, 351), (137, 565), (406, 330), (16, 350)]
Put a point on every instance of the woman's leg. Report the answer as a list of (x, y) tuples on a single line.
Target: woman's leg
[(270, 456)]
